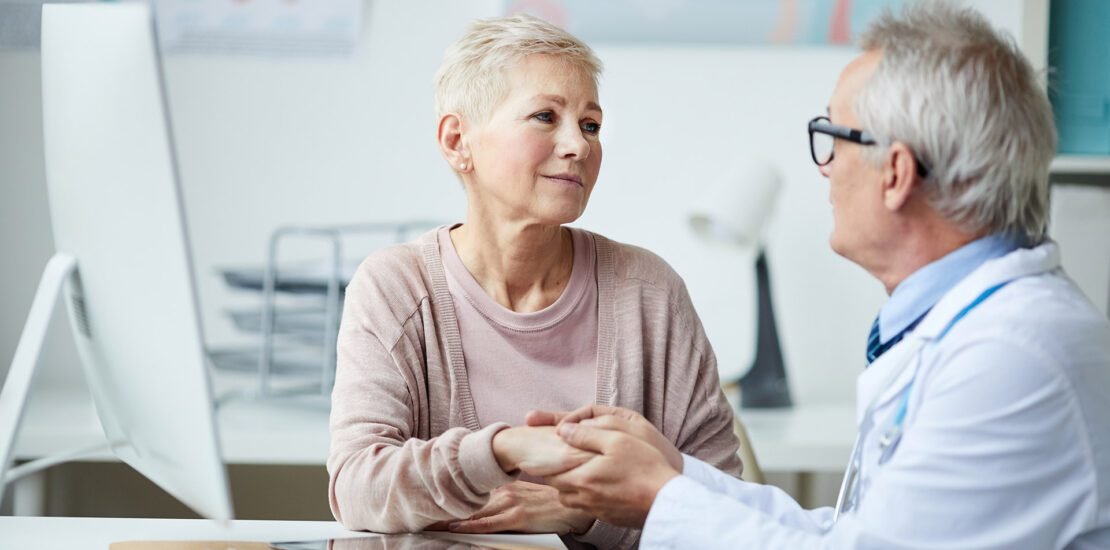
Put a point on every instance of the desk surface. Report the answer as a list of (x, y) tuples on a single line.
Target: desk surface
[(807, 438), (98, 533)]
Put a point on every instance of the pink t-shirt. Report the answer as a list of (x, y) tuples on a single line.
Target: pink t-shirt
[(544, 360)]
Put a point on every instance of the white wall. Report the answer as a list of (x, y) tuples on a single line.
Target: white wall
[(269, 142), (264, 142), (677, 120)]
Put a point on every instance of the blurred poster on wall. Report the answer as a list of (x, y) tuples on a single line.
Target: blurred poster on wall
[(747, 22), (259, 27)]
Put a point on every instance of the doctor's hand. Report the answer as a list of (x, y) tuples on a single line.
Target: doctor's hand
[(611, 418), (524, 507), (620, 485), (535, 450)]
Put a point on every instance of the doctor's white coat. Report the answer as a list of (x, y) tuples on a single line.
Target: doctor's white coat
[(1006, 439)]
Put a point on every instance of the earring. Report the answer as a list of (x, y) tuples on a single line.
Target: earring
[(462, 166)]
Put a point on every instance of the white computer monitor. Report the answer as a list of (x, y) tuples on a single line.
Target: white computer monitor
[(116, 212)]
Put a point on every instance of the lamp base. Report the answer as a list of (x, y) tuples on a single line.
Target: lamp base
[(764, 393), (765, 386)]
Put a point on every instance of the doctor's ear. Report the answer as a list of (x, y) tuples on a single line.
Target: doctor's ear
[(900, 177), (452, 142)]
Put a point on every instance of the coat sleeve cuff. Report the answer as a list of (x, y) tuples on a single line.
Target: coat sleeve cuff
[(477, 461)]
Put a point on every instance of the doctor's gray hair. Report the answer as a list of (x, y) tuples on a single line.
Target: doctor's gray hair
[(970, 106), (471, 80)]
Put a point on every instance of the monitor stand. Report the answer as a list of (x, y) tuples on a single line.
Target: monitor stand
[(60, 270)]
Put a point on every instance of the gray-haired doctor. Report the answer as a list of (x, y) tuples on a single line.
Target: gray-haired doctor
[(984, 415)]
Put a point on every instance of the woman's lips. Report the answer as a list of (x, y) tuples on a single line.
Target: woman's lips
[(566, 178)]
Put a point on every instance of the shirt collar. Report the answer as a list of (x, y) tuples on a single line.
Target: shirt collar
[(919, 292)]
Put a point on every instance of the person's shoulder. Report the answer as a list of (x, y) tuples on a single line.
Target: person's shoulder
[(392, 281), (637, 265), (1048, 318), (1037, 343), (1046, 305), (391, 265)]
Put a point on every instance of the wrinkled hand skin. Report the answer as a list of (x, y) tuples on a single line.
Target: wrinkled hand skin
[(536, 450), (612, 418), (631, 465), (524, 507)]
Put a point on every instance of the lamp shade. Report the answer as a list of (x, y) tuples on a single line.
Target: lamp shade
[(737, 210)]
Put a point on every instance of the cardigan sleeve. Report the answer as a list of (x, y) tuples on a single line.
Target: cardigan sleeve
[(381, 476), (706, 432)]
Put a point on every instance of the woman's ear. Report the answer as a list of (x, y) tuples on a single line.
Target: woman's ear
[(452, 143)]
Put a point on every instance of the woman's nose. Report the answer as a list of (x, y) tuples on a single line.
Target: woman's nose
[(572, 144)]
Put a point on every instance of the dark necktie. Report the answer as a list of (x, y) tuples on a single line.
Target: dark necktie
[(875, 348)]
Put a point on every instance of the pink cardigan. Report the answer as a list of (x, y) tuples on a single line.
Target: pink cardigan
[(406, 447)]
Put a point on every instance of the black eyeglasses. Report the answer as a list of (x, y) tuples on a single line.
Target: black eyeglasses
[(823, 135)]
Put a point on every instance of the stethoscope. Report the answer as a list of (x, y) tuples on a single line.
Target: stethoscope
[(849, 494)]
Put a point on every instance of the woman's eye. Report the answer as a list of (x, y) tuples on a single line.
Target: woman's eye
[(591, 128), (545, 116)]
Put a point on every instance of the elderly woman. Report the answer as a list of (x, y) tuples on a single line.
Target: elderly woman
[(447, 342)]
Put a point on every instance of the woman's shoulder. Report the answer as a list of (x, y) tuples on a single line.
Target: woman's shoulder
[(646, 286), (632, 263), (393, 280)]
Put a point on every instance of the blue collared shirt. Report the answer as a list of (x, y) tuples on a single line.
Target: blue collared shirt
[(919, 292)]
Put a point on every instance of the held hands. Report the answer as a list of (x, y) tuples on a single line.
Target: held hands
[(605, 462), (611, 418), (525, 508), (536, 450), (633, 461), (529, 507)]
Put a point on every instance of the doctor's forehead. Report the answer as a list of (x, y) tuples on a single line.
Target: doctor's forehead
[(852, 79)]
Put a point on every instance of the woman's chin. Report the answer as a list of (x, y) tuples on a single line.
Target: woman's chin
[(559, 214), (569, 217)]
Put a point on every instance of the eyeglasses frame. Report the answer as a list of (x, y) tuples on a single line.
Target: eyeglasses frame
[(822, 125)]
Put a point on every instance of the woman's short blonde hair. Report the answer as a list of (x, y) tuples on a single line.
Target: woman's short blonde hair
[(471, 79)]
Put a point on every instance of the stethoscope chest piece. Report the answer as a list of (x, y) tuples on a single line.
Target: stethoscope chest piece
[(888, 443)]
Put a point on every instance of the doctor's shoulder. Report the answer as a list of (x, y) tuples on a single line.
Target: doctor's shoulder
[(1039, 333), (1051, 313)]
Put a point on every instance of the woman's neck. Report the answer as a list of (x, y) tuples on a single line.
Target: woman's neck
[(523, 267)]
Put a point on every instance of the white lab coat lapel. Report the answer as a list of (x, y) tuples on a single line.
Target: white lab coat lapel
[(885, 378), (1020, 263)]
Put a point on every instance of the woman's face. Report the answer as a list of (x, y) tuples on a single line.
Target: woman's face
[(537, 157)]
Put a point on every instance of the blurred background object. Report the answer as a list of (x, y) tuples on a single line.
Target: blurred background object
[(736, 212)]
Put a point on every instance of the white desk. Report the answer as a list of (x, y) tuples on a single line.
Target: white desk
[(98, 533), (808, 438)]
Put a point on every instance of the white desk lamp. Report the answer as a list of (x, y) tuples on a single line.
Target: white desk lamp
[(736, 212)]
